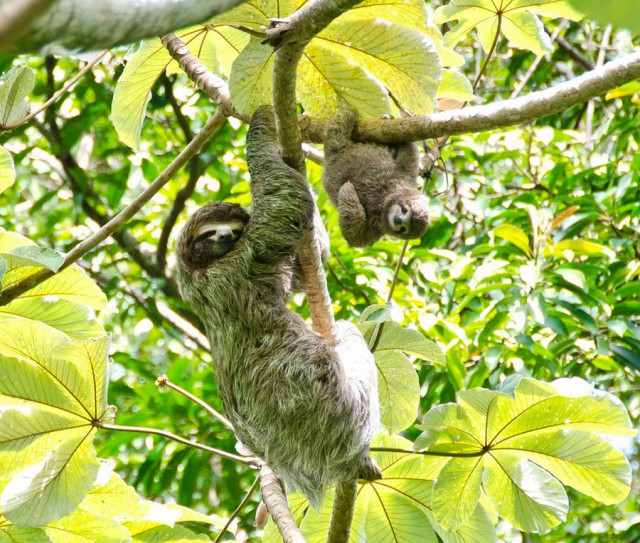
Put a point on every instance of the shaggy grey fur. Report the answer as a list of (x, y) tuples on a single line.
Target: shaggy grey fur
[(308, 407), (373, 186)]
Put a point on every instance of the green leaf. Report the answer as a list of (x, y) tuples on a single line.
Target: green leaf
[(15, 85), (70, 284), (395, 338), (76, 320), (32, 256), (514, 432), (514, 235), (461, 477), (151, 531), (621, 13), (455, 86), (524, 494), (7, 171), (566, 248), (133, 90), (251, 80), (52, 390), (376, 313), (515, 18), (399, 390), (404, 61), (478, 529)]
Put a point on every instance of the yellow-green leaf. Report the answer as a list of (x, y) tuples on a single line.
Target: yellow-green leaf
[(251, 81), (7, 170), (15, 85), (133, 90), (399, 390), (403, 60), (517, 19), (578, 246), (524, 494), (514, 235), (620, 13)]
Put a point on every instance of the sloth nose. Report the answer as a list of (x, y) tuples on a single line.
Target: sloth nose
[(224, 236), (398, 220)]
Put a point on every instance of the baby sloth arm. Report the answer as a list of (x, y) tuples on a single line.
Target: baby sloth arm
[(282, 204), (353, 219)]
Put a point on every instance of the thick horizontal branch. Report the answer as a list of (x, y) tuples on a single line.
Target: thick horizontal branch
[(78, 25), (493, 116)]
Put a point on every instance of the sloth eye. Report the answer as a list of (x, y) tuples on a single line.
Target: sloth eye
[(403, 209), (236, 232)]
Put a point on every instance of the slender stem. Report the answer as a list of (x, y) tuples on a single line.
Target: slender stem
[(240, 507), (253, 462), (397, 271), (489, 54), (163, 381), (58, 94), (428, 453)]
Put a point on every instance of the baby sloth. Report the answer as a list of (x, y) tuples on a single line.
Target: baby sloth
[(307, 406), (373, 186)]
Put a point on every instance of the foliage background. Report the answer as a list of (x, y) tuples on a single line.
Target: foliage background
[(559, 296)]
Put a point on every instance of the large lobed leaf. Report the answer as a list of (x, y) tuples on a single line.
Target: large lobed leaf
[(521, 444), (516, 19)]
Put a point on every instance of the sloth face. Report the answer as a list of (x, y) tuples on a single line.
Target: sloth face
[(215, 240), (408, 219), (211, 233)]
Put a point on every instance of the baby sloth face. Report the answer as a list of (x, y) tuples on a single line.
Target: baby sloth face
[(408, 219)]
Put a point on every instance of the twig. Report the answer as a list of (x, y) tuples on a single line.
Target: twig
[(240, 507), (57, 95), (248, 461), (16, 16), (163, 381), (124, 216), (342, 513), (536, 62), (576, 55), (591, 106), (214, 87), (276, 501), (290, 36)]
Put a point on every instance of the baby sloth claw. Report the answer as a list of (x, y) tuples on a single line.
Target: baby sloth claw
[(373, 186)]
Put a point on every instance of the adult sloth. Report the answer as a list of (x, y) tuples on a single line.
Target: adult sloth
[(307, 406)]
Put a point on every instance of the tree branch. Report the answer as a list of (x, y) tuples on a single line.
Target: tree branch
[(237, 511), (276, 501), (342, 514), (214, 87), (290, 37), (248, 461), (101, 24), (16, 16), (124, 216), (492, 116)]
